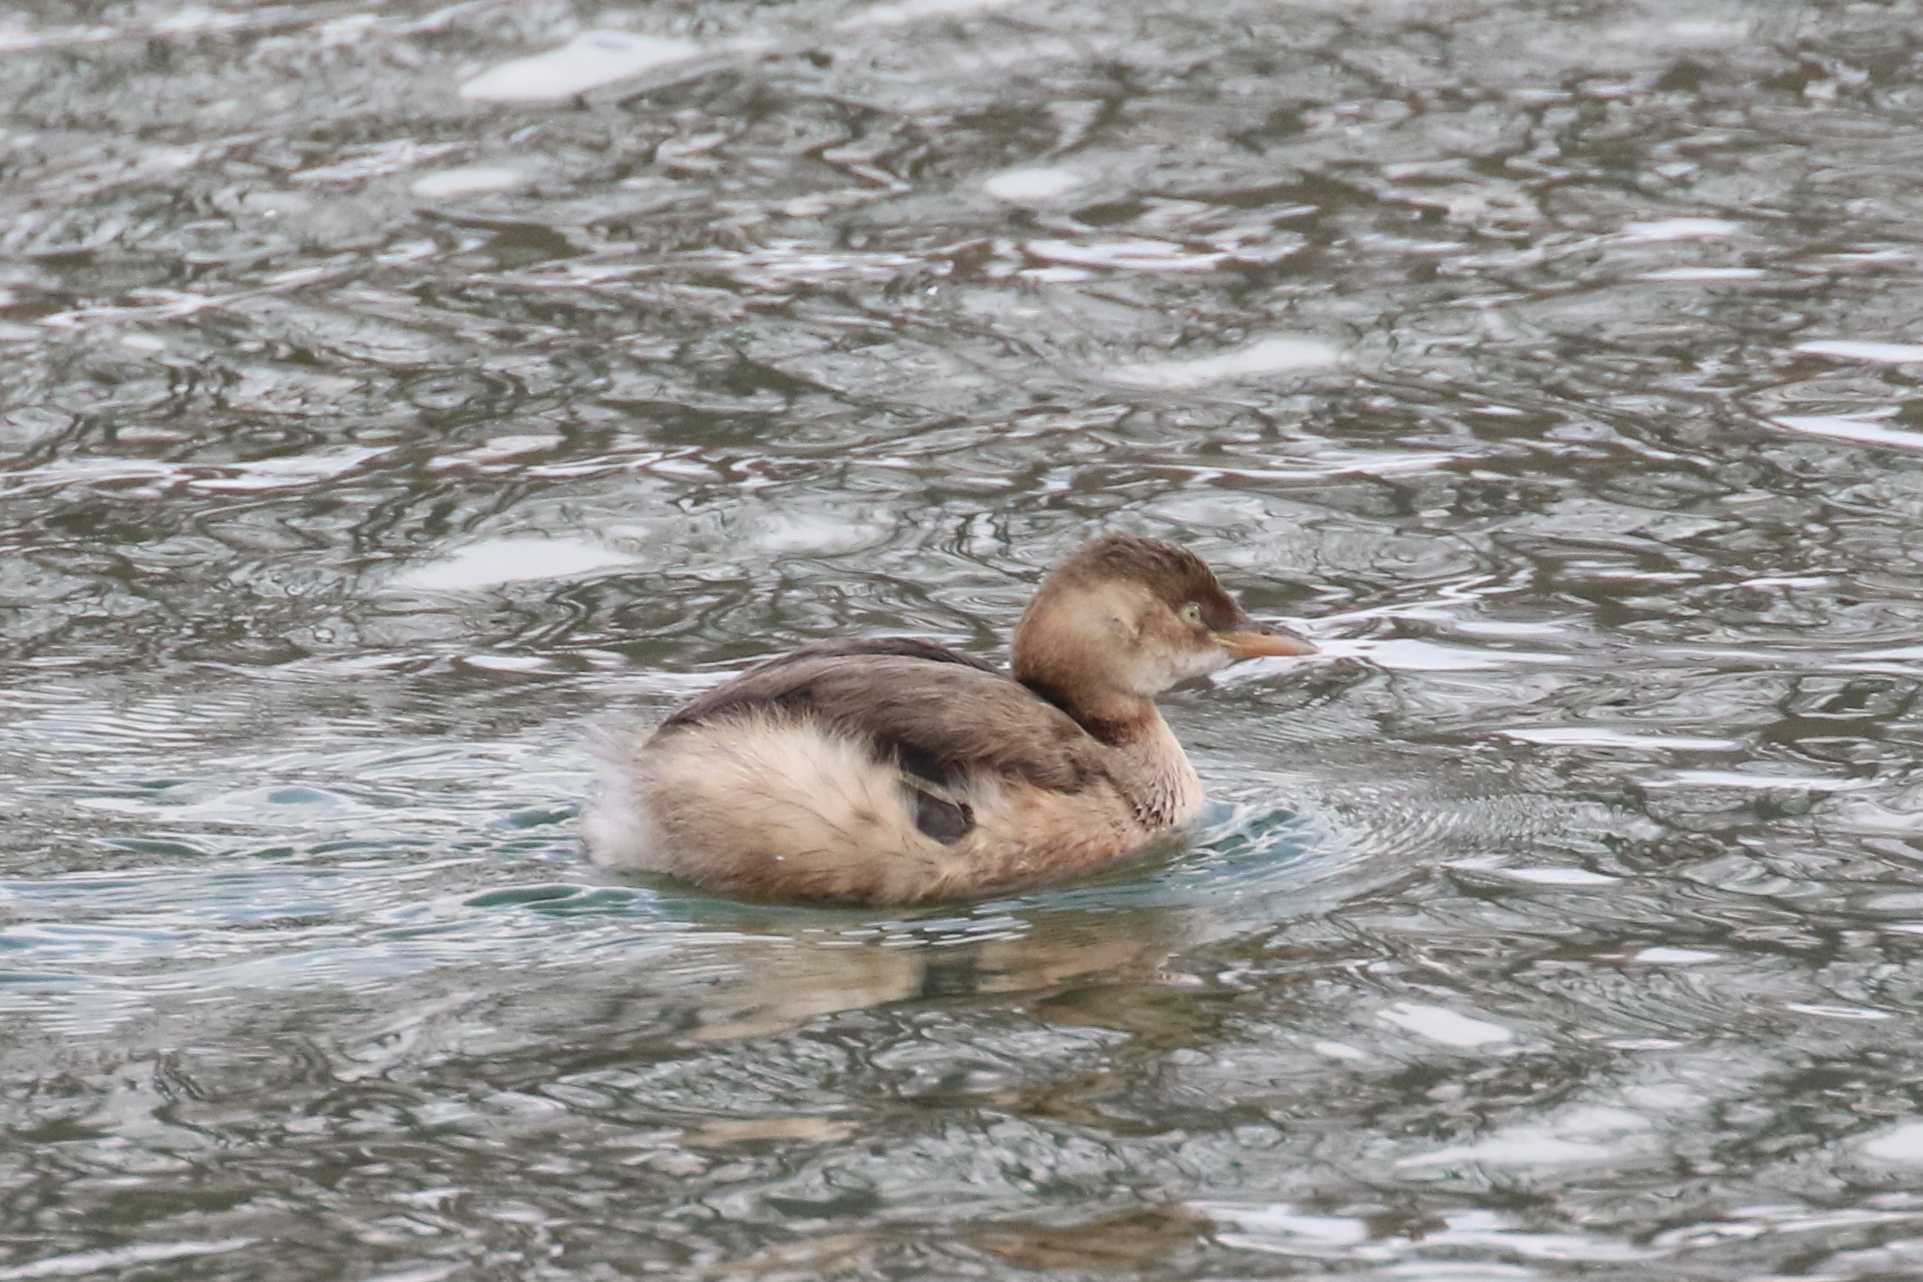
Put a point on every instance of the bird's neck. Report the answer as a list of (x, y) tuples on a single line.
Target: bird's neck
[(1115, 717), (1057, 654), (1148, 765), (1158, 779)]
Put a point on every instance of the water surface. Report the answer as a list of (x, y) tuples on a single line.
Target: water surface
[(390, 395)]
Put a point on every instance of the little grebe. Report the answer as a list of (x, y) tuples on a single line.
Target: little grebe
[(891, 771)]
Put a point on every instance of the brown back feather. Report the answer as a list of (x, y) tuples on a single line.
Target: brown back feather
[(938, 713)]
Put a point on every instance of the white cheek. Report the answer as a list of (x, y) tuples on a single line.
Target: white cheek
[(1161, 671), (1199, 663)]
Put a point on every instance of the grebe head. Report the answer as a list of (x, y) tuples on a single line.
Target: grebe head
[(1128, 616)]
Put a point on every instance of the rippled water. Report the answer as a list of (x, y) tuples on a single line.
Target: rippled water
[(387, 397)]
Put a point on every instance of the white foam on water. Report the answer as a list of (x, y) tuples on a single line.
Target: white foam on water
[(1688, 274), (590, 60), (1903, 1143), (1279, 353), (1864, 429), (507, 560), (1564, 877), (1439, 1024), (1126, 255), (1033, 184), (1659, 955), (1876, 353), (1413, 654), (1608, 737), (472, 180), (903, 11), (1682, 229)]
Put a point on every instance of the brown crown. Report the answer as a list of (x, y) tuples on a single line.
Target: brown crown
[(1174, 574)]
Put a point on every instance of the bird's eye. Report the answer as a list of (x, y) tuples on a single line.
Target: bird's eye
[(1192, 612)]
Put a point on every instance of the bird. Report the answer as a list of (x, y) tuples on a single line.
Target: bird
[(896, 771)]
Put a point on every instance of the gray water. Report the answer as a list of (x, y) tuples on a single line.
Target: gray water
[(372, 427)]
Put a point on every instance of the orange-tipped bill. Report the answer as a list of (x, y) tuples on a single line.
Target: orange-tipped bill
[(1264, 639)]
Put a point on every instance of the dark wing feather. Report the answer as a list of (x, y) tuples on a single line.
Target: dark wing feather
[(938, 713), (773, 682)]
